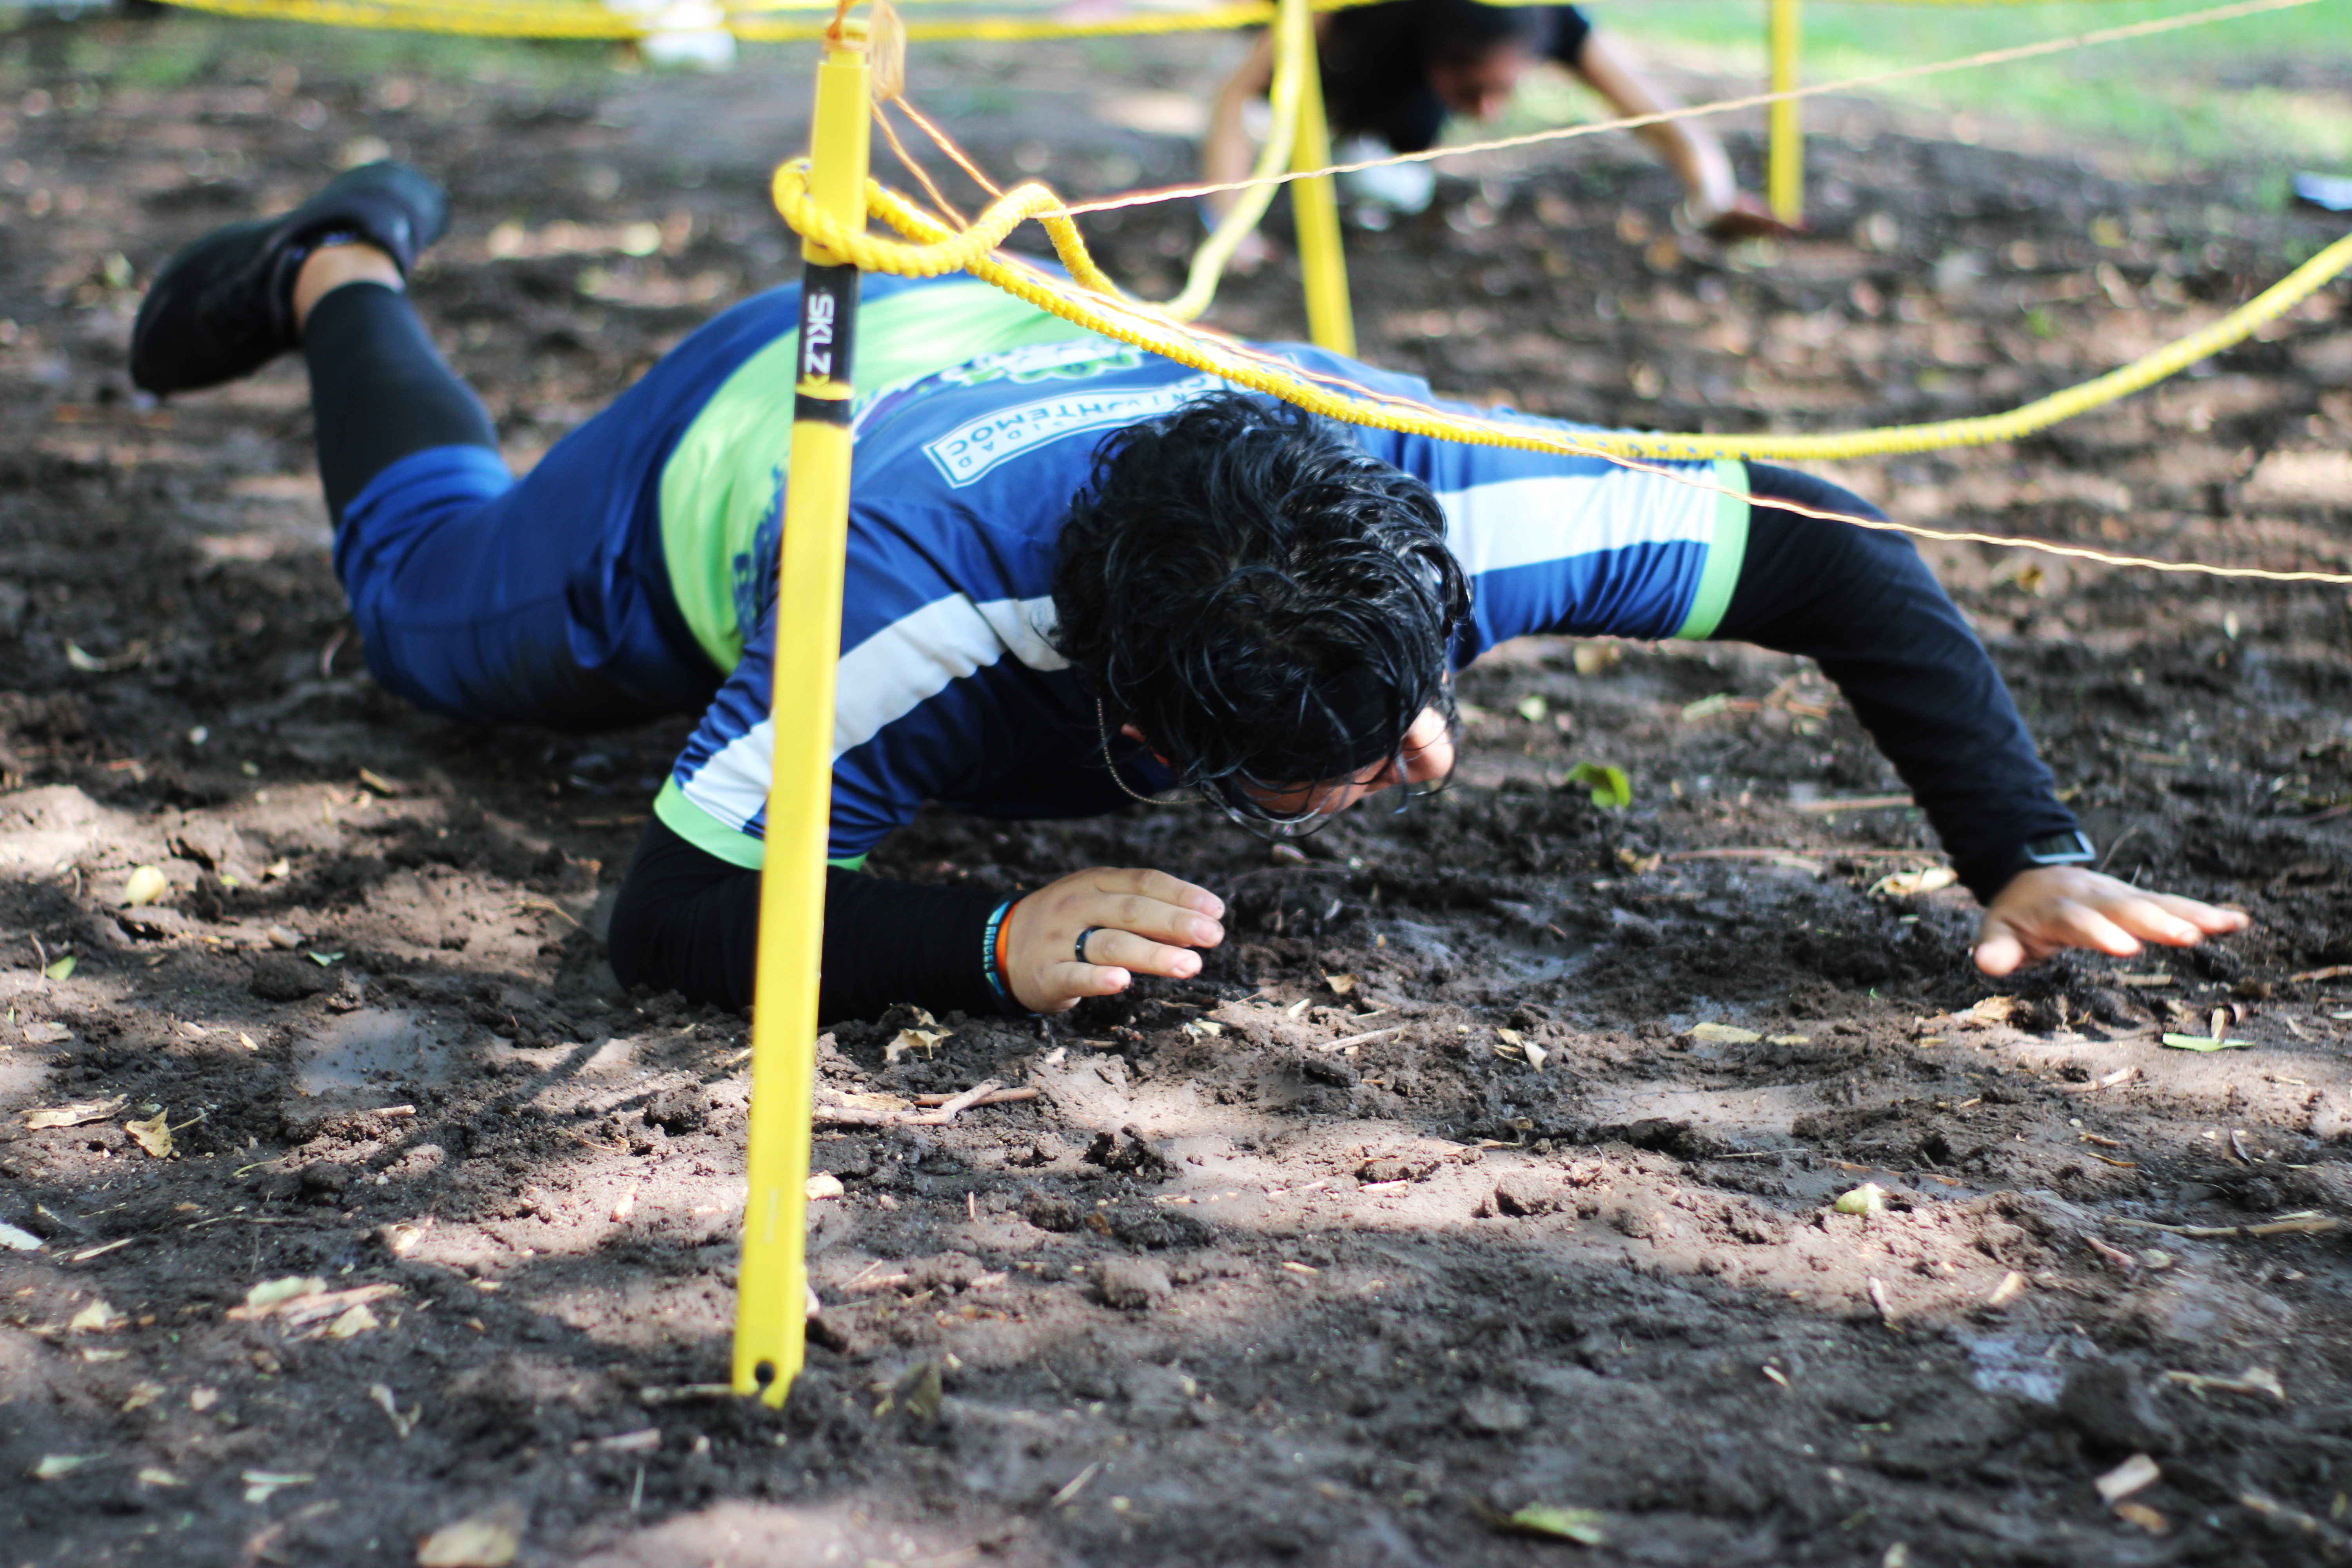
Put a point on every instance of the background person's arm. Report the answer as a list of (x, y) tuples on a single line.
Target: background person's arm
[(1687, 146), (1227, 150)]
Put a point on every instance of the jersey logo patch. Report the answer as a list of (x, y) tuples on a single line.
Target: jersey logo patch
[(1046, 362), (967, 453)]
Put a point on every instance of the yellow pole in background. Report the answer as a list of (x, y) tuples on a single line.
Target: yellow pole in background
[(770, 1303), (1315, 209), (1784, 175)]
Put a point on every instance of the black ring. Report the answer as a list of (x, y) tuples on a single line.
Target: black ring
[(1080, 946)]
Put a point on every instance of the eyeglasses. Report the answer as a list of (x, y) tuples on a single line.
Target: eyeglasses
[(1253, 815), (1249, 811)]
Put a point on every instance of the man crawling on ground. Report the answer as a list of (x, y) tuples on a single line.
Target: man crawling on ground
[(1078, 575)]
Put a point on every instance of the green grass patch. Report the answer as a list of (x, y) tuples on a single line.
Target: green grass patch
[(2254, 89)]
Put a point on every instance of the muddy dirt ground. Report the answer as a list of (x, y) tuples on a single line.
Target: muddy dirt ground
[(1436, 1196)]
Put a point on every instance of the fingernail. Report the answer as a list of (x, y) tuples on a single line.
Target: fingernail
[(1216, 906), (1210, 932), (1193, 967)]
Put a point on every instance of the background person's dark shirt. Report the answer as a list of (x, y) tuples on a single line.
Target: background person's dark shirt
[(1376, 63)]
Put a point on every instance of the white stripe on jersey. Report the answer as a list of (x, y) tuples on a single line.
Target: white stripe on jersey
[(880, 682), (1528, 522)]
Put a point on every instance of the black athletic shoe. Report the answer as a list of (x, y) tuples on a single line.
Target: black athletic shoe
[(223, 307)]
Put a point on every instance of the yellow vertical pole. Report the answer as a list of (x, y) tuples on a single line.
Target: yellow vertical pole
[(1315, 209), (1784, 175), (770, 1318)]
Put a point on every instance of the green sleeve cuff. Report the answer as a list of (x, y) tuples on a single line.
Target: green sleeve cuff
[(1725, 552), (707, 834)]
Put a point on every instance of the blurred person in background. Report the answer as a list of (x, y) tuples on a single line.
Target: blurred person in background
[(1394, 73)]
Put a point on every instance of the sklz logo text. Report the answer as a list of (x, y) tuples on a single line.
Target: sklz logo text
[(816, 336)]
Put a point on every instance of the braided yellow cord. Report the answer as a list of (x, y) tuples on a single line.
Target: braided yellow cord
[(760, 22), (1294, 56), (1103, 308), (757, 23)]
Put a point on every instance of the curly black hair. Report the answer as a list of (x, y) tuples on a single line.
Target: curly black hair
[(1264, 599)]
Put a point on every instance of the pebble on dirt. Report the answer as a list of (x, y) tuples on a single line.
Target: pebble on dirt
[(1135, 1284)]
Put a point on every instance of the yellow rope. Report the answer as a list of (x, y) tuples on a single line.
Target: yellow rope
[(939, 251), (1294, 56), (761, 23)]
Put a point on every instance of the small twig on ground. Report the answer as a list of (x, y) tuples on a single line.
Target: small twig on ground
[(2307, 1222), (2120, 1076), (994, 1097), (987, 1091), (2124, 1262), (950, 1109), (1360, 1039), (2117, 843), (2295, 1521), (1885, 1305)]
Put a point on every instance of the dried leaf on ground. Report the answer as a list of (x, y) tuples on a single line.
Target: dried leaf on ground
[(76, 1114), (156, 1476), (52, 1466), (97, 1318), (1911, 884), (403, 1424), (925, 1038), (145, 885), (18, 1240), (1593, 657), (155, 1134), (143, 1393), (356, 1319), (2145, 1517), (1995, 1010), (271, 1294), (1527, 1050), (1610, 786), (1533, 708), (47, 1033), (1724, 1033), (484, 1540)]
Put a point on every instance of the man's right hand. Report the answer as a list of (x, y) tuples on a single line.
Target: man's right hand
[(1146, 923)]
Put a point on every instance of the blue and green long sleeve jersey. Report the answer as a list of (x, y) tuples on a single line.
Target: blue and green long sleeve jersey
[(983, 423)]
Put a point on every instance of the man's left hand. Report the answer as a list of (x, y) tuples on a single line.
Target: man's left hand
[(2052, 908)]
